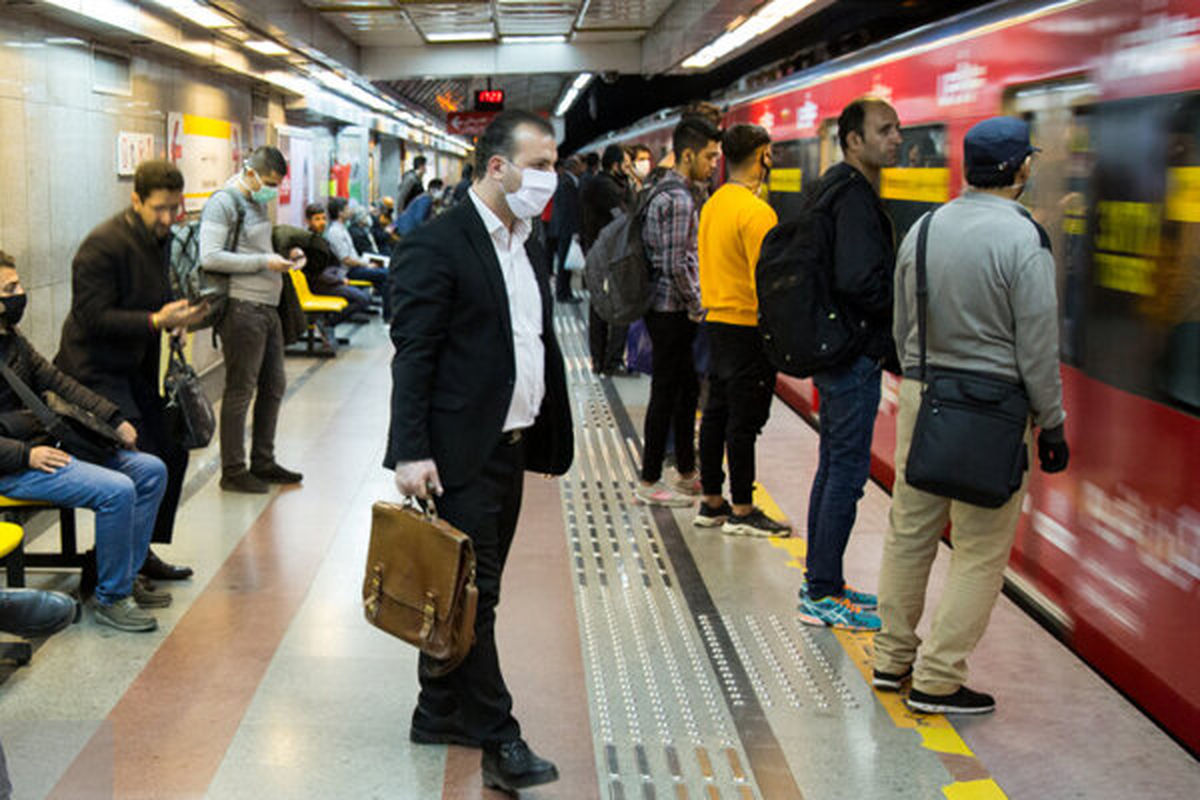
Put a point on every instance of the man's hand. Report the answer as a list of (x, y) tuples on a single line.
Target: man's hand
[(48, 459), (418, 479), (127, 434), (172, 315), (297, 256), (1052, 450), (277, 263)]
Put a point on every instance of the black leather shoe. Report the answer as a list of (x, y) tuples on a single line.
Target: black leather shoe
[(33, 612), (273, 473), (156, 569), (512, 766), (243, 481)]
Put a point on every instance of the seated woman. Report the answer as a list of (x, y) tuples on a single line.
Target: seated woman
[(124, 491)]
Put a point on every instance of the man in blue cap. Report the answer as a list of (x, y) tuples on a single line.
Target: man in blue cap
[(992, 309)]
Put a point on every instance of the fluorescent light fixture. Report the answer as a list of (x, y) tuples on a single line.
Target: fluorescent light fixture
[(535, 39), (760, 22), (568, 98), (266, 47), (201, 15), (461, 36)]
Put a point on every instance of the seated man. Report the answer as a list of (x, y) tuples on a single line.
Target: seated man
[(342, 245), (124, 492), (325, 275)]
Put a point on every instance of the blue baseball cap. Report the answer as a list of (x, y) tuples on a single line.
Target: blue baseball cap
[(996, 144)]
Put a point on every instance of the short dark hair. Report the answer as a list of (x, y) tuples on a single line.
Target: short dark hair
[(336, 206), (156, 174), (312, 209), (498, 137), (853, 117), (268, 159), (613, 154), (591, 160), (638, 149), (693, 133), (7, 261), (418, 162), (468, 171), (741, 142), (436, 183)]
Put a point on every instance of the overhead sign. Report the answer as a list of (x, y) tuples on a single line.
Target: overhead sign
[(469, 123)]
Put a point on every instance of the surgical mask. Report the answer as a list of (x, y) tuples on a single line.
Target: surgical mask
[(641, 168), (537, 187), (263, 194), (13, 308)]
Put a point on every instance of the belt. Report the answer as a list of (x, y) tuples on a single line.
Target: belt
[(512, 437)]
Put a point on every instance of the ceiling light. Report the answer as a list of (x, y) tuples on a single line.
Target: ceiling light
[(266, 47), (568, 98), (761, 21), (535, 39), (201, 15), (461, 36)]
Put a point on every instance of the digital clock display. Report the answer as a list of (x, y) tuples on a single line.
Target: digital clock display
[(489, 99)]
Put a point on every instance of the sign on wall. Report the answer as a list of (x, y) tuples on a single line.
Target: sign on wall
[(206, 150), (133, 149)]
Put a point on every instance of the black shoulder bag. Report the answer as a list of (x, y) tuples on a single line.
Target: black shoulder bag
[(76, 430), (187, 405), (969, 440)]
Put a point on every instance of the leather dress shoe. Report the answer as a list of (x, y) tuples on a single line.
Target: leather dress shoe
[(427, 729), (512, 766), (273, 473), (156, 569), (33, 612)]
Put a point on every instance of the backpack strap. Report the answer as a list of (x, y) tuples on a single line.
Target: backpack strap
[(1042, 235), (240, 205)]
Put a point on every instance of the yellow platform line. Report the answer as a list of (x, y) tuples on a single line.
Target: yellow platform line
[(937, 734)]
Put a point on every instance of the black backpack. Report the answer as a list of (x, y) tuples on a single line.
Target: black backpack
[(617, 271), (804, 328)]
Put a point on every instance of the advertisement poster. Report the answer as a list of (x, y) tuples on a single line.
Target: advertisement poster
[(208, 151), (133, 149)]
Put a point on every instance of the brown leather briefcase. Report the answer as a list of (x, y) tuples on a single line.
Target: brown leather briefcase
[(420, 582)]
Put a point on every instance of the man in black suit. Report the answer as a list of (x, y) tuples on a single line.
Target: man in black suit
[(565, 223), (479, 396)]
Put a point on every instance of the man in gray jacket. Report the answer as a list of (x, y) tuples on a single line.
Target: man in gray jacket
[(992, 309), (250, 330)]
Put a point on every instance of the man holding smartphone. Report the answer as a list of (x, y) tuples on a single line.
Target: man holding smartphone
[(250, 330)]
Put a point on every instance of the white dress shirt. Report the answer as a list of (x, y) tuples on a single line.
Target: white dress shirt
[(525, 311)]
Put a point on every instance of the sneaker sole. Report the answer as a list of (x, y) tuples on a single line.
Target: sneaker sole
[(943, 708), (809, 619), (139, 628), (750, 530), (153, 603), (887, 685), (709, 522)]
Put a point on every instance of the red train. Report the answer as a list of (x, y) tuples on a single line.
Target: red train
[(1110, 550)]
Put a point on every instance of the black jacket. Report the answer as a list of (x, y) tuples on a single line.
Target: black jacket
[(118, 279), (566, 217), (454, 367), (599, 196), (19, 428), (321, 267), (865, 260)]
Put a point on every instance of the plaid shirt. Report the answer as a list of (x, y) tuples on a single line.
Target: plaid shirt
[(670, 236)]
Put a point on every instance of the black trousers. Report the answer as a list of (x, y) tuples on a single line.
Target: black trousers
[(741, 382), (154, 437), (562, 278), (474, 694), (674, 391), (606, 343)]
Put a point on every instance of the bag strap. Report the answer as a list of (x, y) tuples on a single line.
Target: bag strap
[(922, 287), (239, 204), (40, 410)]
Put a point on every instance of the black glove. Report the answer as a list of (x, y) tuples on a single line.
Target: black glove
[(1052, 449)]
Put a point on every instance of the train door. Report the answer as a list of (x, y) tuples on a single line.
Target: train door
[(1059, 194), (795, 165), (920, 181)]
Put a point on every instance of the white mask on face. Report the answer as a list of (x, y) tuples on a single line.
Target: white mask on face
[(641, 167), (537, 187)]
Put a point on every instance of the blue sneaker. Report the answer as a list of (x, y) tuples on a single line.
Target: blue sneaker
[(864, 600), (837, 612)]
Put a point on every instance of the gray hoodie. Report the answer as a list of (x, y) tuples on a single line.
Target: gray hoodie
[(992, 298), (246, 265)]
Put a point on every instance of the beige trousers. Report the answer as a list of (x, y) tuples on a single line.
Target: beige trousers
[(982, 538)]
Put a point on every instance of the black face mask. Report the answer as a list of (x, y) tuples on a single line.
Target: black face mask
[(13, 309)]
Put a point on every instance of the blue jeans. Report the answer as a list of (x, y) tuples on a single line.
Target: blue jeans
[(378, 276), (124, 493), (849, 403)]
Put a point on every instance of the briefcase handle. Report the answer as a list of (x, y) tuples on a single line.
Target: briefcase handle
[(426, 508)]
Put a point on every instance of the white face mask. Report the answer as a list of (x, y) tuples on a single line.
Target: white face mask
[(641, 167), (537, 187)]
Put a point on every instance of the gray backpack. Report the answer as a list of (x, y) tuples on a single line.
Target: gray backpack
[(617, 271), (188, 279)]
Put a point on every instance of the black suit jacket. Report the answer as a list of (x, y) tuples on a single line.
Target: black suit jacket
[(454, 368)]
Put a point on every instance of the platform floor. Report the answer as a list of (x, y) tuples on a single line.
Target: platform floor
[(648, 658)]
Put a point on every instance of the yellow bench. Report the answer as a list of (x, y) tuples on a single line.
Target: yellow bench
[(17, 560), (315, 306), (359, 284)]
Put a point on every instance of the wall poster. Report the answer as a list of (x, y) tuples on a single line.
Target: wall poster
[(206, 150)]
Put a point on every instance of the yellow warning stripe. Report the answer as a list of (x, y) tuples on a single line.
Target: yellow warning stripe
[(937, 734)]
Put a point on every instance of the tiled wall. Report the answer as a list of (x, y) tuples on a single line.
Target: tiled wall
[(58, 153)]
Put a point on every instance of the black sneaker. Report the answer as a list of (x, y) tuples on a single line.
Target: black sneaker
[(273, 473), (243, 481), (964, 701), (709, 517), (756, 523), (890, 681)]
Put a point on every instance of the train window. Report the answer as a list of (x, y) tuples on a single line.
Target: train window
[(1142, 306), (830, 147), (920, 181), (795, 165)]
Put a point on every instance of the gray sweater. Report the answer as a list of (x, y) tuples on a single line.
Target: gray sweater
[(992, 299), (246, 265)]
